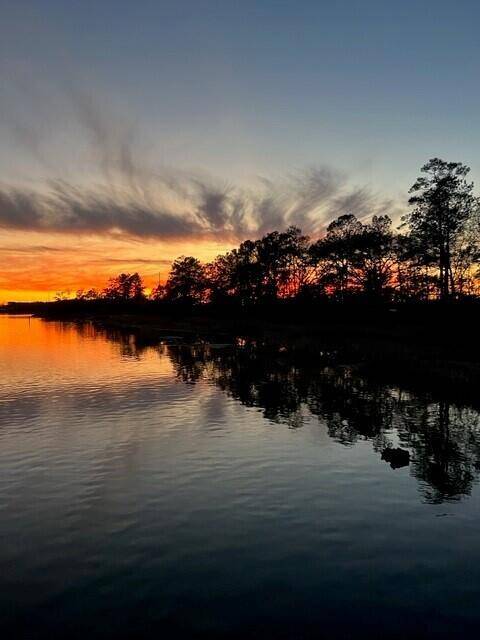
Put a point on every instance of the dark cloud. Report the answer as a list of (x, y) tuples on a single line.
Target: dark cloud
[(363, 203), (64, 207), (133, 200), (196, 208)]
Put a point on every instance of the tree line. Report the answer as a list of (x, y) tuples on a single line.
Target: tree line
[(434, 254)]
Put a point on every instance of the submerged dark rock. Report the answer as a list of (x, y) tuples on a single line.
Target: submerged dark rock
[(396, 457)]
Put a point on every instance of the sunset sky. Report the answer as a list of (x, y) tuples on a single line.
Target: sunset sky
[(134, 132)]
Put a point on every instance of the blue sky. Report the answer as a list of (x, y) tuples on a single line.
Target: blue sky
[(244, 88)]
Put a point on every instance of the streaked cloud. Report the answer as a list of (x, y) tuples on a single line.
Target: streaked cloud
[(188, 206), (99, 203), (131, 197)]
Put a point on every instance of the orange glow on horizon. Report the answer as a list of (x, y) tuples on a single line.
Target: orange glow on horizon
[(35, 266)]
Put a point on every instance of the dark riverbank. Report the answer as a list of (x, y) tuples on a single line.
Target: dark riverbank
[(432, 347)]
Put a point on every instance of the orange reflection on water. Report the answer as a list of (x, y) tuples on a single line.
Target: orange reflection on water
[(74, 353)]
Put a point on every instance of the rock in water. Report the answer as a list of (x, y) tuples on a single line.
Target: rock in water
[(396, 457)]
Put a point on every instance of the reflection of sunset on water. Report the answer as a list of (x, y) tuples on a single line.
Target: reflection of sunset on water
[(78, 356)]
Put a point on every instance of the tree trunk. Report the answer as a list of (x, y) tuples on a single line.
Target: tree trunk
[(444, 273)]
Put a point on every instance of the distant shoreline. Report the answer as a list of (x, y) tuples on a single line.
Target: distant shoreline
[(433, 347)]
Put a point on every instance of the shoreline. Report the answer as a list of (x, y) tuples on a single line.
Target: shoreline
[(431, 352)]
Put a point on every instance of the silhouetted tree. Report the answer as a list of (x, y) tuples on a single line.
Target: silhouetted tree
[(220, 276), (87, 295), (283, 262), (187, 281), (337, 251), (277, 265), (442, 206), (374, 258), (466, 255), (125, 287), (158, 292), (62, 296), (414, 280)]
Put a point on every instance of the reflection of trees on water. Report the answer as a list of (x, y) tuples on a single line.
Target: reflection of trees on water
[(443, 439)]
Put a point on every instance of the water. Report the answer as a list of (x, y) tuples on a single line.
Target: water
[(179, 491)]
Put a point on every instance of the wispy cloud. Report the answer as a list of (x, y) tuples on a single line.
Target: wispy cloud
[(197, 207), (135, 200)]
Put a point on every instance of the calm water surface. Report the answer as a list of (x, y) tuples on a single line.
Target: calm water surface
[(212, 491)]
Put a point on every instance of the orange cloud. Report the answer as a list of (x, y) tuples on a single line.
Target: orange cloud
[(34, 266)]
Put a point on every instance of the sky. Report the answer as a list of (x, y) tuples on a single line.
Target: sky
[(135, 132)]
